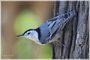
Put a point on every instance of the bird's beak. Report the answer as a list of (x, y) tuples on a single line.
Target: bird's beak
[(19, 35)]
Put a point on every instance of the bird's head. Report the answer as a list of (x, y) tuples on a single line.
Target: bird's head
[(31, 34)]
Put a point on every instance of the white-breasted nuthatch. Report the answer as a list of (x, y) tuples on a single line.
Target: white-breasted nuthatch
[(46, 32)]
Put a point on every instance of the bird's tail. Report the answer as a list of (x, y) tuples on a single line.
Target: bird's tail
[(65, 18), (60, 21)]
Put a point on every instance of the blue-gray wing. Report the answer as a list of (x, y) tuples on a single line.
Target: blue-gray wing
[(51, 26)]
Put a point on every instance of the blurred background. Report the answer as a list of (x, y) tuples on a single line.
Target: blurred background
[(17, 17)]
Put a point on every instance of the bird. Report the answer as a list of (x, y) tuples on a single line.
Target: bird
[(45, 33)]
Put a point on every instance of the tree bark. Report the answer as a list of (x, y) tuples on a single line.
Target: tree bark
[(74, 38)]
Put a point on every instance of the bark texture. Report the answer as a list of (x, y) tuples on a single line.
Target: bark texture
[(74, 38)]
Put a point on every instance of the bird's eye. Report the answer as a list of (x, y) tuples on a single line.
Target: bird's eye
[(28, 33)]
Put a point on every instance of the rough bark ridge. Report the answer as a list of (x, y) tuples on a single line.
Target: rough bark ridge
[(74, 40)]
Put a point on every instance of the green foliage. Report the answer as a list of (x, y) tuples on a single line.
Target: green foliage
[(26, 20), (26, 48)]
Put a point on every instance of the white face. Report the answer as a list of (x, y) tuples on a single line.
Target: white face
[(32, 35)]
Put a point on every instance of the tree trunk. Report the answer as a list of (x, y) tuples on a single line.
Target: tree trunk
[(74, 40)]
